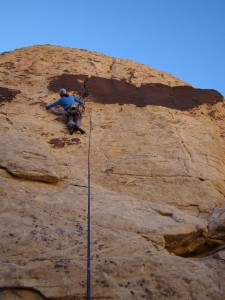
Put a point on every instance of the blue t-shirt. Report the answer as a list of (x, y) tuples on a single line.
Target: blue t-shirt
[(65, 102)]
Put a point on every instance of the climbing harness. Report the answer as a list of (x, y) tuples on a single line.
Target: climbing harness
[(81, 107)]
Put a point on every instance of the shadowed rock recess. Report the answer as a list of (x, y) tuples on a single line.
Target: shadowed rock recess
[(157, 181), (112, 91), (7, 94)]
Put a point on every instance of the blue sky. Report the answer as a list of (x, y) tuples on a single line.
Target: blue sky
[(185, 38)]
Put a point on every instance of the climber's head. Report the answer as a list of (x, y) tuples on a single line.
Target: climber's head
[(62, 92)]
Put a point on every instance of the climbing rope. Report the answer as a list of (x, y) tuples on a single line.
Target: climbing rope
[(89, 216)]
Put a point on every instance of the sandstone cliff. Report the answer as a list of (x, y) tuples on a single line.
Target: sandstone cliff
[(157, 181)]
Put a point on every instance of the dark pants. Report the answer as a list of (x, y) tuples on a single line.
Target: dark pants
[(73, 117)]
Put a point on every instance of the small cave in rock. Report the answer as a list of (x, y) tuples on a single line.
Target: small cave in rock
[(20, 292), (110, 91), (7, 94), (194, 244)]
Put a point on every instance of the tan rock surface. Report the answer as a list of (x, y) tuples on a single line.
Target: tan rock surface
[(157, 181)]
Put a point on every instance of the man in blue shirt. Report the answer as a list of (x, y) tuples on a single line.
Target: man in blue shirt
[(70, 105)]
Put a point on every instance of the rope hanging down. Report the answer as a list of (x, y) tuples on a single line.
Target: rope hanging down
[(89, 218)]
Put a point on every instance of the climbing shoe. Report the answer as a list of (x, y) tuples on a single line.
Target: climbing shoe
[(73, 128), (81, 130)]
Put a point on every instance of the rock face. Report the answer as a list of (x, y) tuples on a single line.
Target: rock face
[(157, 181)]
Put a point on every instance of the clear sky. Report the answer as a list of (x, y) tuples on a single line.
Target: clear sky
[(185, 38)]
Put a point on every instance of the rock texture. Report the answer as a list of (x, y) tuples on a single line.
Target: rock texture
[(157, 181)]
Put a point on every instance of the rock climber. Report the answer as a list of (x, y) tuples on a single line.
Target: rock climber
[(70, 103)]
